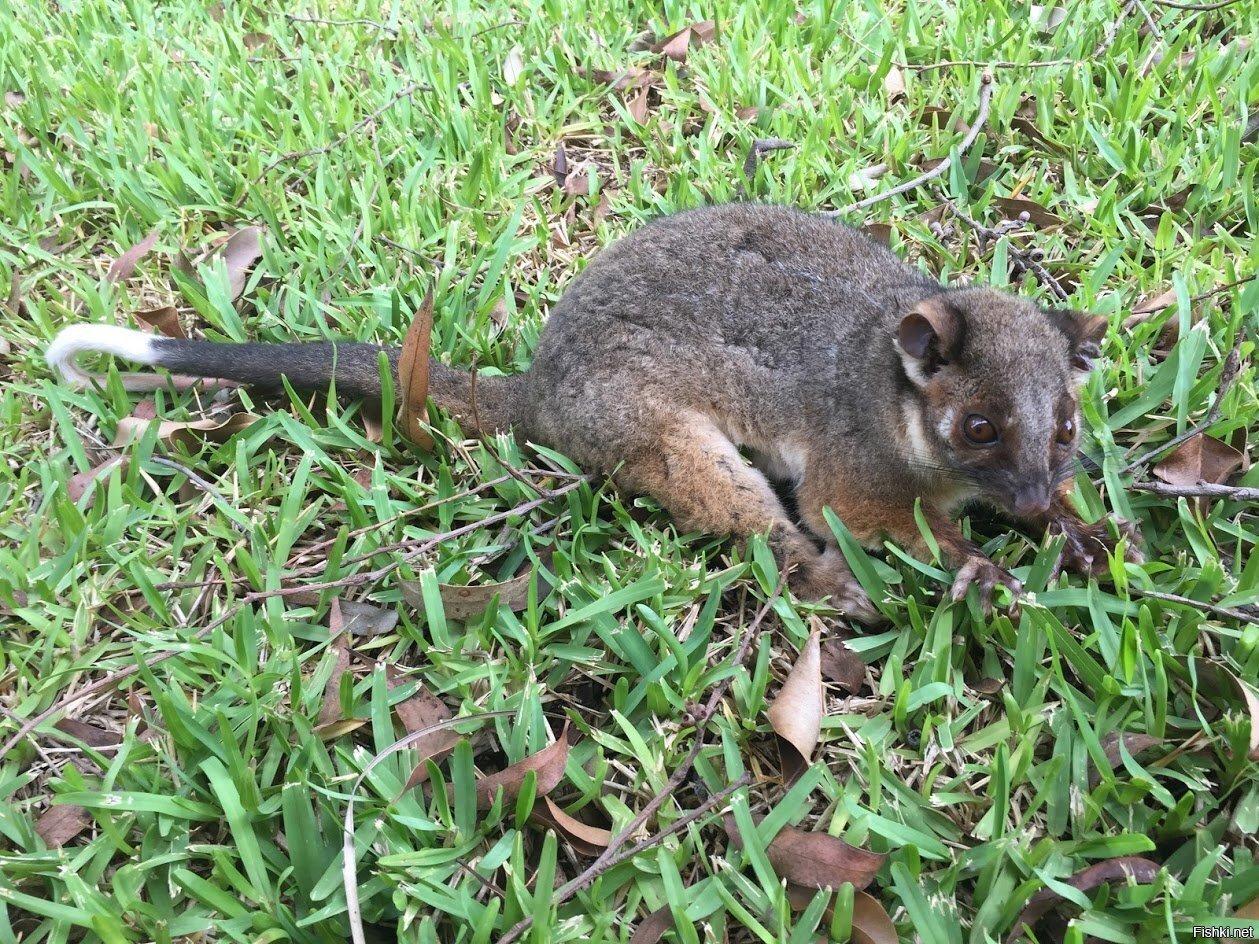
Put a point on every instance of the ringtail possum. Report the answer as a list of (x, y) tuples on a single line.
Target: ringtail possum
[(711, 352)]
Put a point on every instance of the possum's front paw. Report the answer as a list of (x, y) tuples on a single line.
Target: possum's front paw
[(978, 571), (1088, 546), (828, 577)]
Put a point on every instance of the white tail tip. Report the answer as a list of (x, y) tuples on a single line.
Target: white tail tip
[(63, 353)]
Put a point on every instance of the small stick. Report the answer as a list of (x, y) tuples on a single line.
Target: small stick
[(981, 118), (1201, 490), (294, 18), (1232, 366), (1195, 6), (1225, 611)]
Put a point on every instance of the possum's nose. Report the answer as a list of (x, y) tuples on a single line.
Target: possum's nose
[(1031, 499)]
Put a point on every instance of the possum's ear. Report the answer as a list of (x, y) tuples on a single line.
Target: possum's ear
[(1084, 334), (927, 337)]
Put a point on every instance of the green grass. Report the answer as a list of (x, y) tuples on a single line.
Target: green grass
[(207, 801)]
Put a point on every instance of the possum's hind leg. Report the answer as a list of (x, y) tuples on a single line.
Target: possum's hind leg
[(684, 461)]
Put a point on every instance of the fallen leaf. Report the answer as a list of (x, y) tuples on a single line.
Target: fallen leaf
[(586, 839), (332, 723), (189, 434), (514, 65), (165, 321), (1134, 743), (239, 254), (14, 304), (676, 45), (255, 41), (942, 119), (894, 84), (92, 735), (367, 619), (796, 714), (1123, 869), (57, 825), (843, 666), (879, 232), (413, 376), (1200, 458), (870, 921), (577, 183), (80, 483), (750, 113), (469, 602), (1047, 19), (814, 860), (14, 98), (1150, 307), (653, 927), (125, 264), (547, 763), (1013, 208), (423, 710), (1248, 911), (637, 105)]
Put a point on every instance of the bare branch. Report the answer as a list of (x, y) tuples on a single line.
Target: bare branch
[(981, 118)]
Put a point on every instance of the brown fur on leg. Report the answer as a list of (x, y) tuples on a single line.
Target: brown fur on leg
[(696, 472)]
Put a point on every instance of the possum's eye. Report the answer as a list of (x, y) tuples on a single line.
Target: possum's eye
[(979, 430), (1066, 432)]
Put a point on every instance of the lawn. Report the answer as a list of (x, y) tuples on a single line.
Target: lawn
[(217, 632)]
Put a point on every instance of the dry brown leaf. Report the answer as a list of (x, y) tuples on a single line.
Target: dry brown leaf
[(469, 602), (843, 666), (57, 825), (1150, 307), (879, 232), (586, 839), (255, 41), (1134, 743), (514, 65), (1201, 458), (239, 254), (870, 921), (1248, 911), (653, 927), (80, 483), (187, 433), (92, 735), (547, 763), (125, 264), (894, 84), (796, 714), (577, 183), (14, 98), (637, 105), (814, 860), (676, 45), (14, 304), (750, 113), (1122, 869), (942, 118), (165, 321), (420, 711), (1013, 208), (367, 619), (413, 376)]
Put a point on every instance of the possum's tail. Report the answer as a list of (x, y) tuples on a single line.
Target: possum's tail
[(308, 366)]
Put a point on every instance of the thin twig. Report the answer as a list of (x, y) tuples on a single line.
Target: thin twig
[(196, 480), (405, 92), (981, 118), (1148, 309), (612, 853), (1025, 260), (1224, 611), (1229, 373), (1112, 30), (954, 63), (1239, 493), (294, 18), (1196, 6)]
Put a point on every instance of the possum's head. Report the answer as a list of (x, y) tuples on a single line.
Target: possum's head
[(993, 393)]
